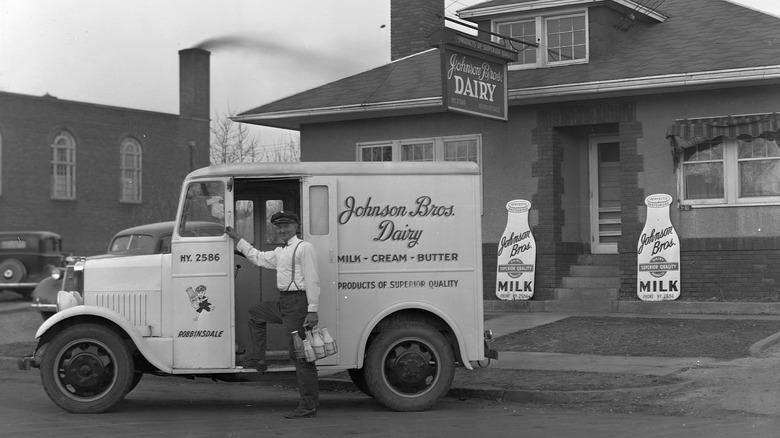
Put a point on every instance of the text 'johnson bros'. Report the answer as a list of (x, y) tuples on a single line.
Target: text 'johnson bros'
[(388, 231), (654, 237), (475, 86)]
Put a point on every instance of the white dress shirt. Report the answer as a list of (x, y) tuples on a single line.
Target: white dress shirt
[(280, 259)]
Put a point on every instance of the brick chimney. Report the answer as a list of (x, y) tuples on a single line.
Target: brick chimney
[(194, 83), (411, 23)]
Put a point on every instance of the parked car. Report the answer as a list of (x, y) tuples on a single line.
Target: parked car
[(27, 258), (152, 238)]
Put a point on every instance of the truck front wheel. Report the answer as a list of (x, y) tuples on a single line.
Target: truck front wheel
[(409, 367), (87, 369)]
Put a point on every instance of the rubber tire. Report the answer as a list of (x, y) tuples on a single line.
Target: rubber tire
[(358, 377), (416, 344), (94, 343), (17, 269), (136, 380)]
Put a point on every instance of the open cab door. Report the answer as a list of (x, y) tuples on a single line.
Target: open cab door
[(201, 298)]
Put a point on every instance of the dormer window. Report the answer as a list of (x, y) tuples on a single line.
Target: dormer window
[(562, 38)]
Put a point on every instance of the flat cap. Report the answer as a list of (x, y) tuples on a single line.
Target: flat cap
[(284, 217)]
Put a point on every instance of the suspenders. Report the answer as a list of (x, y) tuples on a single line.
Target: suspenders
[(292, 276)]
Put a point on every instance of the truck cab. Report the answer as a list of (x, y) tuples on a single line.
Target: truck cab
[(399, 250)]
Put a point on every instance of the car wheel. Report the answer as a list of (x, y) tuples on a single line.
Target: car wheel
[(409, 367), (12, 271), (87, 369)]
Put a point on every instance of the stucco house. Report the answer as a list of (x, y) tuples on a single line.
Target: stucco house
[(609, 102)]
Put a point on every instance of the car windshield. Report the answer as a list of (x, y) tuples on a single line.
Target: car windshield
[(132, 244)]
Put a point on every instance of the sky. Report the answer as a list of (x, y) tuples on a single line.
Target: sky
[(125, 53)]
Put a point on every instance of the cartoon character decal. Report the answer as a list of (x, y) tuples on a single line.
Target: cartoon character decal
[(199, 301)]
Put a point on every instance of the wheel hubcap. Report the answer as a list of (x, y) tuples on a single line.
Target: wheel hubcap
[(8, 273), (86, 370), (411, 367)]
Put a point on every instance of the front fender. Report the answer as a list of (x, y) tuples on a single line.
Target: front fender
[(413, 305), (112, 316)]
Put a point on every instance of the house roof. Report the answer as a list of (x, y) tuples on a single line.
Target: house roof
[(703, 43)]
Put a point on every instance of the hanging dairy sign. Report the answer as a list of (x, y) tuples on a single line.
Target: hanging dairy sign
[(474, 85), (473, 74), (516, 255), (658, 253)]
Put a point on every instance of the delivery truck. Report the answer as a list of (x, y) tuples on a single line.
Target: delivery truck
[(399, 255)]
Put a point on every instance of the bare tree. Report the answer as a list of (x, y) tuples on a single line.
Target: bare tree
[(234, 143)]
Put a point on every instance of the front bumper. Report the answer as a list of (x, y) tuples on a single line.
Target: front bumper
[(18, 285), (43, 307)]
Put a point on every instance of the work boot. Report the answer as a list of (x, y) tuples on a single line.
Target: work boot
[(300, 412)]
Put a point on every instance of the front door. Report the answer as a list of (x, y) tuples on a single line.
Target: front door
[(605, 212)]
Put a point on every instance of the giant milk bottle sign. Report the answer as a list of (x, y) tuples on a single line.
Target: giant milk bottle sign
[(516, 255), (658, 253)]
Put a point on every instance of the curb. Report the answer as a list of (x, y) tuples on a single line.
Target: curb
[(567, 397), (535, 396), (758, 348)]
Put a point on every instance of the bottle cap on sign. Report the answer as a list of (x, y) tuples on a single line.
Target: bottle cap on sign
[(659, 200), (518, 206)]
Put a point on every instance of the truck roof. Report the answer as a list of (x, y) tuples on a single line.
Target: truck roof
[(335, 168)]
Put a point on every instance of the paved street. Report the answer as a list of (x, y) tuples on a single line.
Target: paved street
[(177, 407), (168, 407)]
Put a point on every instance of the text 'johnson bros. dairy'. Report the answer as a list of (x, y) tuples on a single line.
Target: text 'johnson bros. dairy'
[(516, 255), (658, 253)]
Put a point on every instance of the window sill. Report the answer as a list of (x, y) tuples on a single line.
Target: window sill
[(746, 204)]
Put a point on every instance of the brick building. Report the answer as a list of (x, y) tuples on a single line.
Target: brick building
[(86, 171), (611, 101)]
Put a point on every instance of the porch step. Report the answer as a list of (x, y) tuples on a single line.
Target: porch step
[(595, 278), (585, 294), (590, 282)]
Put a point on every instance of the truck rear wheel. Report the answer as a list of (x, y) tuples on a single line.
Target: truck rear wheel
[(87, 369), (358, 377), (409, 367)]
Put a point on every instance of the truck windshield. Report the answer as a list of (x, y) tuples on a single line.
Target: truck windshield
[(204, 210)]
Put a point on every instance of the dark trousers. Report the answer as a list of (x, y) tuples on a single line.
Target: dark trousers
[(290, 310)]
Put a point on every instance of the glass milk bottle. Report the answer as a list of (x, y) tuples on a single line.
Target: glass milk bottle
[(516, 255), (658, 253)]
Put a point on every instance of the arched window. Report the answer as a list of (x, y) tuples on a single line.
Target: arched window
[(63, 166), (130, 170)]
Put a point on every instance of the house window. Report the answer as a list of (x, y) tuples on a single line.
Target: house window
[(731, 171), (63, 166), (130, 171), (375, 153), (456, 148), (417, 152), (562, 39)]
